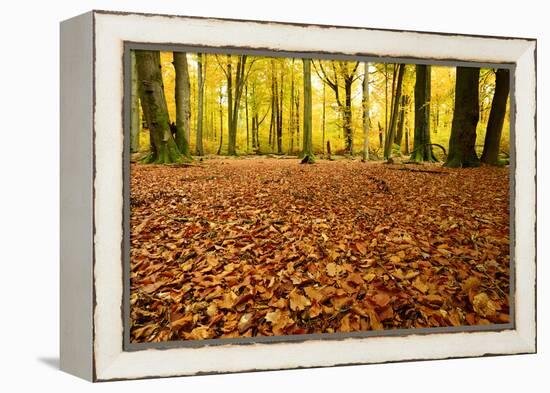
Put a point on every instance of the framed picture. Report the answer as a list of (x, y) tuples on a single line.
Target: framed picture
[(246, 195)]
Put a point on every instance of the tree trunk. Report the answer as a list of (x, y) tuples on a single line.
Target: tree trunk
[(307, 152), (221, 124), (348, 131), (297, 112), (276, 137), (380, 136), (134, 106), (238, 87), (324, 117), (496, 118), (386, 97), (390, 137), (230, 141), (422, 149), (465, 118), (246, 116), (366, 109), (407, 141), (200, 93), (291, 110), (183, 103), (280, 95), (401, 119), (164, 148)]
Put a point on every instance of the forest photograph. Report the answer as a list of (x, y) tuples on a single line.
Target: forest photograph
[(282, 196)]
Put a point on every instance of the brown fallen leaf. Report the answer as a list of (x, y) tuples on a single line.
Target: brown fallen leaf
[(386, 313), (341, 302), (332, 269), (395, 259), (420, 285), (360, 246), (484, 306), (199, 333), (315, 310), (381, 299), (144, 331), (369, 277), (298, 301), (245, 322)]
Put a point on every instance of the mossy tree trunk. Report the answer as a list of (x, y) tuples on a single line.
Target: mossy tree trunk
[(307, 151), (134, 106), (465, 118), (163, 146), (183, 103), (396, 99), (422, 149), (491, 146)]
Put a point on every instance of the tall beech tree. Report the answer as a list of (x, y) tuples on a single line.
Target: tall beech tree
[(307, 151), (163, 146), (366, 104), (200, 105), (134, 106), (396, 99), (183, 103), (235, 89), (491, 146), (422, 148), (465, 118), (347, 72), (401, 119)]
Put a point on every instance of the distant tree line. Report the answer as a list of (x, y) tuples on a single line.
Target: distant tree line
[(245, 97)]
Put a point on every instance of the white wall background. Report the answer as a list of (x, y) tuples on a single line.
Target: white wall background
[(29, 182)]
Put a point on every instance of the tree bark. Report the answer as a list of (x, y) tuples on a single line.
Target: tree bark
[(401, 119), (491, 146), (246, 117), (348, 130), (465, 118), (221, 123), (229, 75), (234, 103), (183, 103), (291, 109), (297, 112), (164, 148), (200, 94), (380, 136), (280, 95), (307, 152), (134, 106), (390, 137), (366, 110), (324, 124), (422, 149)]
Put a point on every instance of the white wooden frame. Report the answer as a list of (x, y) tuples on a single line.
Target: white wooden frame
[(92, 164)]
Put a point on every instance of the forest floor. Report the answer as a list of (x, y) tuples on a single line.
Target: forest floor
[(260, 247)]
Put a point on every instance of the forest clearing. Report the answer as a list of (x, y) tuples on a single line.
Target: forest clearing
[(283, 196), (263, 246)]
